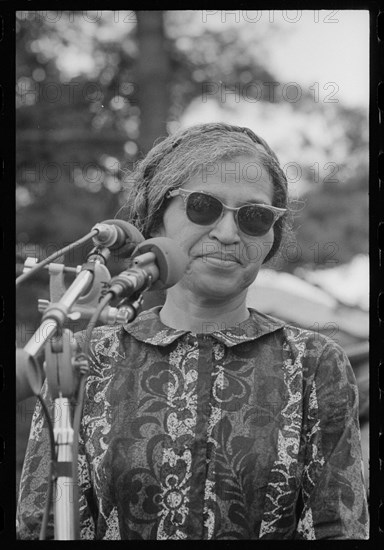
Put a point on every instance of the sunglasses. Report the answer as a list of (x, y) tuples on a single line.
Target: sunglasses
[(204, 209)]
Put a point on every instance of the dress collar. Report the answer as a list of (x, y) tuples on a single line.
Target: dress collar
[(148, 328)]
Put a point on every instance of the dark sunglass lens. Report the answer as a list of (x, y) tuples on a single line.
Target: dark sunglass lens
[(255, 220), (203, 209)]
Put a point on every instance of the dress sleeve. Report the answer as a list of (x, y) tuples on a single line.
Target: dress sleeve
[(333, 490), (34, 481)]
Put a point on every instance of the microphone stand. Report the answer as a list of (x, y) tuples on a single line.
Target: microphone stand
[(63, 381)]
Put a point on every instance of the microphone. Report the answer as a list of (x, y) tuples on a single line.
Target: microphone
[(117, 235), (170, 260), (29, 375), (159, 262)]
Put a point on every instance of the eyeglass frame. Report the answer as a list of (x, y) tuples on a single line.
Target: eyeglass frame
[(184, 193)]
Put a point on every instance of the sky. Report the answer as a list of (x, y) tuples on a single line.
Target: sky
[(329, 52), (324, 46)]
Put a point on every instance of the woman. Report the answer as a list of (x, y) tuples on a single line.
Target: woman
[(204, 419)]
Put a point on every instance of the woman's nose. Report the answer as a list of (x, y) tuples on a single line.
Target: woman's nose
[(225, 229)]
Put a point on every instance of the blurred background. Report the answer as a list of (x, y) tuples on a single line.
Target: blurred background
[(96, 89)]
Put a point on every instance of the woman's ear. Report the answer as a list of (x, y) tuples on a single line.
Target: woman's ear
[(267, 249), (157, 232)]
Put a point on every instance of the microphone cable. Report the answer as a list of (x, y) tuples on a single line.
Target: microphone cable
[(24, 276), (53, 460)]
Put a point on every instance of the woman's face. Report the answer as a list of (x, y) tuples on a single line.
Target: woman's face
[(223, 261)]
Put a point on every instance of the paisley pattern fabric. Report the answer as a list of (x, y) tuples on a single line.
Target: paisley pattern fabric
[(249, 432)]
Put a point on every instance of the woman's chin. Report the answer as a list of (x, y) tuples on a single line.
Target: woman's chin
[(216, 284), (216, 289)]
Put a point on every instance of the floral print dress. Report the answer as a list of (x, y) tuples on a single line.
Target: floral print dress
[(248, 432)]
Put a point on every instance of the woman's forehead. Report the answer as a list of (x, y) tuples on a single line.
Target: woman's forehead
[(244, 177)]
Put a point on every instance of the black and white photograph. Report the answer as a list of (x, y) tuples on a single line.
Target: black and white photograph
[(192, 275)]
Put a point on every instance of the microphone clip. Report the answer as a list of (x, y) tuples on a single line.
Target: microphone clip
[(61, 366), (86, 304)]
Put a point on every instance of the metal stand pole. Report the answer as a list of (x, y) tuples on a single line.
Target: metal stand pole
[(64, 494)]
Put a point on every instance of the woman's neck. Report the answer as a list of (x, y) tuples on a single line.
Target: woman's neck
[(186, 312)]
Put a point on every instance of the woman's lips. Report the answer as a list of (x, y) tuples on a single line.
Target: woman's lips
[(221, 261)]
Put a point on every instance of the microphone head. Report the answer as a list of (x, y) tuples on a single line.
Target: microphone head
[(29, 375), (128, 237), (170, 260)]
